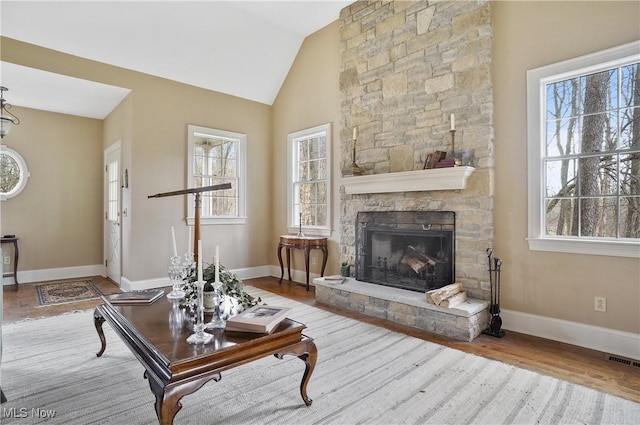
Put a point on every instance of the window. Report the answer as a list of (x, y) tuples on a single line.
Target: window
[(309, 169), (113, 186), (13, 173), (217, 157), (584, 154)]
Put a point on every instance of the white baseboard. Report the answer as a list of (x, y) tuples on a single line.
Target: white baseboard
[(625, 344), (28, 276), (298, 276), (611, 341), (245, 273)]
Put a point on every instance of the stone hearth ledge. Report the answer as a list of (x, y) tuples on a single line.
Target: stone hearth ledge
[(465, 322)]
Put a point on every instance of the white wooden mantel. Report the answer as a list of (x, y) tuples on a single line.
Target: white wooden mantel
[(451, 178)]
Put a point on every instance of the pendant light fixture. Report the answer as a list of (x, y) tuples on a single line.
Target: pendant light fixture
[(7, 119)]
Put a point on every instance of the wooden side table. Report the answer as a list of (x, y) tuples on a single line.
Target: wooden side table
[(16, 255), (305, 243)]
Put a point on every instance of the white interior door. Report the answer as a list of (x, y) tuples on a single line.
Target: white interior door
[(112, 192)]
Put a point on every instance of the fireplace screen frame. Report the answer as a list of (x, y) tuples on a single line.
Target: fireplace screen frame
[(409, 224)]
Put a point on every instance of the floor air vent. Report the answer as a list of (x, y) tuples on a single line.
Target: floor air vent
[(623, 360)]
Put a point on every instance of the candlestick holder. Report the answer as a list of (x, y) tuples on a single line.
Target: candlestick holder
[(355, 169), (199, 336), (300, 234), (217, 322), (175, 278), (457, 161)]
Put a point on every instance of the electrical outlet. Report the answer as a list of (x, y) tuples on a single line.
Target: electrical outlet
[(313, 261), (6, 260), (600, 304)]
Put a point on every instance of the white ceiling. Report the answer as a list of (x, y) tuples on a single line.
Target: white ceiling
[(242, 48)]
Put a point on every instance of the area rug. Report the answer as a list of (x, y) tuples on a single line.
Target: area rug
[(365, 375), (66, 292)]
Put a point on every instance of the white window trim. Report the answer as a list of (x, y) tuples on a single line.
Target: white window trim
[(242, 175), (536, 80), (324, 231), (24, 173)]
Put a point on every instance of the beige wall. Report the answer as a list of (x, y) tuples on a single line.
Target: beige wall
[(58, 215), (526, 35), (309, 97), (152, 125), (529, 35)]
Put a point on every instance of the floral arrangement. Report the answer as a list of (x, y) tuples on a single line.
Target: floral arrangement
[(231, 286)]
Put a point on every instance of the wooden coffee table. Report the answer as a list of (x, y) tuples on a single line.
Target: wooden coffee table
[(176, 368)]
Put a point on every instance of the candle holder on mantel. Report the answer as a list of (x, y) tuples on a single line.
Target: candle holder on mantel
[(355, 170), (456, 161), (199, 336)]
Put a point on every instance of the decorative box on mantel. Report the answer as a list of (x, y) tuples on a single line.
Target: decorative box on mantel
[(451, 178)]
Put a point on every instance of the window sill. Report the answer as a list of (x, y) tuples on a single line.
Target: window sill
[(589, 247), (206, 221), (311, 231)]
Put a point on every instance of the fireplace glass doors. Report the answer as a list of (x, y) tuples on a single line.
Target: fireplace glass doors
[(412, 250)]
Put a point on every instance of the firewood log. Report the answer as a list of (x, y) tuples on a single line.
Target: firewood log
[(415, 264), (435, 296), (454, 300)]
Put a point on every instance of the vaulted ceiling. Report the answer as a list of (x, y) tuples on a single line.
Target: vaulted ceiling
[(241, 48)]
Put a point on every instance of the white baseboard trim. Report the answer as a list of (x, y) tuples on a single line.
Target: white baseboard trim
[(297, 276), (245, 273), (28, 276), (606, 340), (625, 344)]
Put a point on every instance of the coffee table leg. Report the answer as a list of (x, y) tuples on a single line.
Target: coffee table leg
[(168, 398), (307, 352), (98, 320)]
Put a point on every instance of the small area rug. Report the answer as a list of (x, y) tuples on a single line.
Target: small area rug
[(365, 375), (66, 292)]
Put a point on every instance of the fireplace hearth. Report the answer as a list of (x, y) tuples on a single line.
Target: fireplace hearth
[(413, 250)]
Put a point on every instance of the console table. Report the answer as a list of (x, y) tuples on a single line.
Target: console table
[(16, 254), (305, 243), (175, 368)]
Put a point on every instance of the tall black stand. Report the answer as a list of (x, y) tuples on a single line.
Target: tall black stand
[(196, 191), (495, 322)]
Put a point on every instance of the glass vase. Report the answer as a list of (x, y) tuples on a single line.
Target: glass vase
[(175, 278)]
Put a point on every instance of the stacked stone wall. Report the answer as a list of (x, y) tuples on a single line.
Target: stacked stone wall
[(406, 67)]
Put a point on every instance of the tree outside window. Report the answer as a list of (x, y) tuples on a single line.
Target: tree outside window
[(217, 157), (584, 147)]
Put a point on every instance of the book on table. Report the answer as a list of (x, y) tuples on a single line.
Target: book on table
[(145, 296), (257, 319)]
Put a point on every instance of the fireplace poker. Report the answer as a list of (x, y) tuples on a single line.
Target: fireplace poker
[(495, 322)]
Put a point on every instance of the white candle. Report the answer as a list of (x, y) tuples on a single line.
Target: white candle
[(173, 239), (199, 260), (355, 133), (453, 122), (217, 264)]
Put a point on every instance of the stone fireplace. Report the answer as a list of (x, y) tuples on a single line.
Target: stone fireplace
[(412, 250), (405, 68)]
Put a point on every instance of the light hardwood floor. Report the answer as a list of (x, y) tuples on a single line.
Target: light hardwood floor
[(568, 362)]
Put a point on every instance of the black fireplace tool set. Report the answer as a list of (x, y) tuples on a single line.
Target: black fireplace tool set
[(495, 322)]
